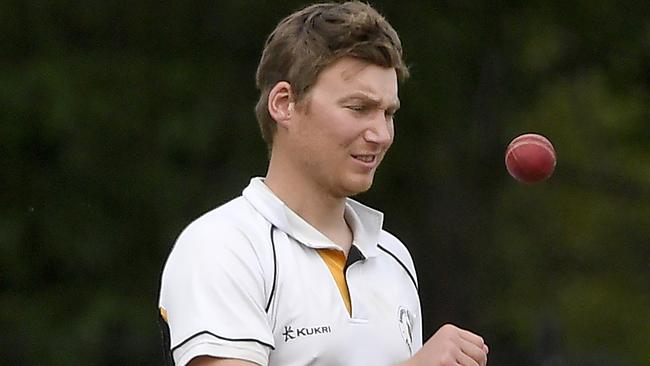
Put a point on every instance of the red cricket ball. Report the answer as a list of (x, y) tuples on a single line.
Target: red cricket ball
[(530, 158)]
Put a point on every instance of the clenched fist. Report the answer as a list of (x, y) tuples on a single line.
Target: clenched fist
[(451, 346)]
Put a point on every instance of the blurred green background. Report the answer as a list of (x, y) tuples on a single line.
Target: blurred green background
[(121, 121)]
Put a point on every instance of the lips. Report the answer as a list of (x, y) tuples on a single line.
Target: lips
[(370, 158)]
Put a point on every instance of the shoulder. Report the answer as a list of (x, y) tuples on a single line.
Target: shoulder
[(231, 239), (393, 247), (234, 228), (237, 214), (233, 220)]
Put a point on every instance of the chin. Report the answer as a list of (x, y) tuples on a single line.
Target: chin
[(354, 187)]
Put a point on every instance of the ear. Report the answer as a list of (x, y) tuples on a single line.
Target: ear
[(281, 103)]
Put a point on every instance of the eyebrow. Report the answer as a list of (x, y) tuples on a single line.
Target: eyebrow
[(369, 98)]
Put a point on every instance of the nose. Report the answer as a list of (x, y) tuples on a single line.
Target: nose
[(380, 131)]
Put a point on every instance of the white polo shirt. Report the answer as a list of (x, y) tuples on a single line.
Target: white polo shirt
[(246, 281)]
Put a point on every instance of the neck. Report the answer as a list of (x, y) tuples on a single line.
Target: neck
[(311, 202)]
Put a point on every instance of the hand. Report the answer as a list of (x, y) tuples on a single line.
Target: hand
[(451, 346)]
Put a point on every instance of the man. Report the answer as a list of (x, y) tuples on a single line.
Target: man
[(293, 272)]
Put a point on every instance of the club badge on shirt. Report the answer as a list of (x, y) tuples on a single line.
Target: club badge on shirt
[(405, 318)]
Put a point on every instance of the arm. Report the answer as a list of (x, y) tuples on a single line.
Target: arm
[(451, 346)]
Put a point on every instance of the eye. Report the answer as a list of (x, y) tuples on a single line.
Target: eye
[(356, 108)]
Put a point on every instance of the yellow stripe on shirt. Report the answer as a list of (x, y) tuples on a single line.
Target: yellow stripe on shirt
[(335, 260)]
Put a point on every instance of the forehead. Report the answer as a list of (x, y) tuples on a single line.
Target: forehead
[(349, 75)]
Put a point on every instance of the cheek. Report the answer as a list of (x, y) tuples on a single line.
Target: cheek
[(342, 129)]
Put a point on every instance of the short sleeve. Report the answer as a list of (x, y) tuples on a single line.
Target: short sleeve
[(213, 296)]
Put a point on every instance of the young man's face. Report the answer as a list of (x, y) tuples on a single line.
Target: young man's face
[(344, 126)]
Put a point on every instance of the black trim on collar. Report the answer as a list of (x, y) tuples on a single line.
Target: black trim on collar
[(402, 264), (224, 338), (354, 255), (275, 270)]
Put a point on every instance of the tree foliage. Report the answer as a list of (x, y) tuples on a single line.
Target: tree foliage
[(122, 121)]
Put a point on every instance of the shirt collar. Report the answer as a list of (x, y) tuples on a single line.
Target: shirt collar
[(365, 222)]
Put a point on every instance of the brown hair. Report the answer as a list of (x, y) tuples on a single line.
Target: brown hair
[(309, 40)]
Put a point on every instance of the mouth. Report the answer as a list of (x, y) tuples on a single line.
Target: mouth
[(366, 158)]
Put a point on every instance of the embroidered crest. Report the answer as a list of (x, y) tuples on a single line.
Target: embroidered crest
[(406, 327)]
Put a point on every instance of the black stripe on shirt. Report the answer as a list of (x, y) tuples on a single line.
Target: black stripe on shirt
[(402, 264), (220, 337), (275, 270)]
